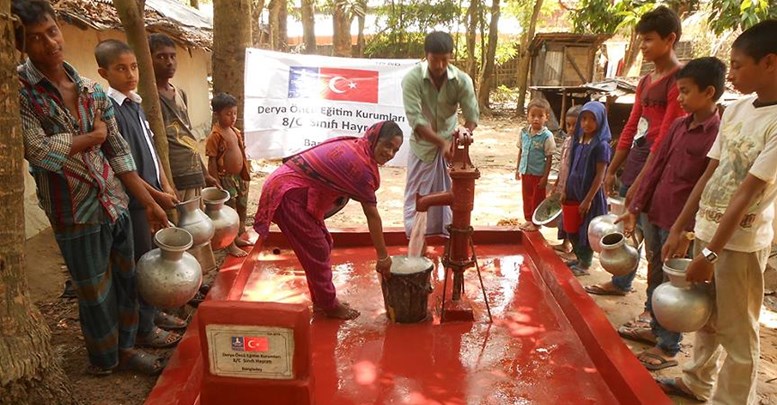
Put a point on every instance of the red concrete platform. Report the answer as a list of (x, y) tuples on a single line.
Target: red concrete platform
[(549, 341)]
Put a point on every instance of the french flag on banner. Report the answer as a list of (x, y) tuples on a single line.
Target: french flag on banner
[(333, 84)]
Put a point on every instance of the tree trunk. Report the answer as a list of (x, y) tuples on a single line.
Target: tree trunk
[(194, 3), (274, 24), (256, 28), (309, 25), (523, 66), (360, 41), (29, 369), (231, 37), (631, 53), (487, 77), (283, 23), (132, 21), (341, 22), (472, 32)]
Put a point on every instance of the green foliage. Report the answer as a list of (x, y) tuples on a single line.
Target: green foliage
[(742, 14), (598, 16), (404, 24)]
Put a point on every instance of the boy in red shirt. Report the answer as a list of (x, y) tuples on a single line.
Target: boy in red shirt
[(655, 108)]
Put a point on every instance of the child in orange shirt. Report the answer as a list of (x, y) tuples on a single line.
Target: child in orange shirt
[(227, 162)]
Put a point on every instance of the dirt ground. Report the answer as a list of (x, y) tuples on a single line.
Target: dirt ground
[(497, 203)]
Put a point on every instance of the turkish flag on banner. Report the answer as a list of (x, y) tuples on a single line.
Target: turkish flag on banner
[(256, 344), (349, 84)]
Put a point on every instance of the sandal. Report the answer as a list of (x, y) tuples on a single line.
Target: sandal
[(578, 270), (597, 289), (671, 386), (639, 321), (98, 371), (169, 322), (570, 263), (643, 335), (142, 362), (158, 339), (663, 363)]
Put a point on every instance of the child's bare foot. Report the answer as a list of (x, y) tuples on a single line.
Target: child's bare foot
[(528, 226), (243, 241), (564, 247), (341, 311), (233, 250)]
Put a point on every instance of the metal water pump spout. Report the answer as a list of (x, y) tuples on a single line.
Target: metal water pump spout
[(458, 253)]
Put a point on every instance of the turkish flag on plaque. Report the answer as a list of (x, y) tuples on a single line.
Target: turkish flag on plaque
[(333, 84), (350, 84), (256, 344)]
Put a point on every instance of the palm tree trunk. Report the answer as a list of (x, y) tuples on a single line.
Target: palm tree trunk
[(30, 372), (472, 32), (341, 22), (132, 20), (231, 37), (486, 78), (523, 66), (360, 41), (309, 25)]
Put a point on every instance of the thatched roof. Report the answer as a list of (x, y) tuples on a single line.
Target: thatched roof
[(182, 23)]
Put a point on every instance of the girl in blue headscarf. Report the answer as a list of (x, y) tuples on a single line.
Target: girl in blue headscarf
[(588, 162)]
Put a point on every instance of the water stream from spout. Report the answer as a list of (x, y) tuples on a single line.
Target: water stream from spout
[(417, 235)]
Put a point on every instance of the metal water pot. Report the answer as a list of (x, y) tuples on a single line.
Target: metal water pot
[(600, 226), (191, 218), (678, 305), (225, 219), (617, 256), (168, 276)]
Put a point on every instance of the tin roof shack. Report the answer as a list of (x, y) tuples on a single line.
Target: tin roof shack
[(85, 23), (559, 60)]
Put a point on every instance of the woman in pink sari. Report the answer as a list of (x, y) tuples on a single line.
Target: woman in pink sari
[(298, 194)]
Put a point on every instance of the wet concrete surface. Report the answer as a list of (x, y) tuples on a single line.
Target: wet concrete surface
[(529, 354)]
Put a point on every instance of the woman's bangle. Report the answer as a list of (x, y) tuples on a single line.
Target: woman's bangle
[(383, 259)]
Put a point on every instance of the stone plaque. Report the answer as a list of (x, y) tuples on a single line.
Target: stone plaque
[(250, 351)]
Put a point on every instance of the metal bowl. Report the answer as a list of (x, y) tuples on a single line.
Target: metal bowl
[(548, 211)]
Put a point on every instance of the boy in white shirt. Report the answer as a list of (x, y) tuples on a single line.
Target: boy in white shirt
[(735, 204)]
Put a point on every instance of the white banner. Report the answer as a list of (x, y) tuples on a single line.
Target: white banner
[(293, 102)]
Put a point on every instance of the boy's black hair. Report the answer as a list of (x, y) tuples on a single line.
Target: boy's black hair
[(30, 12), (661, 20), (438, 42), (758, 40), (158, 40), (389, 130), (574, 111), (107, 51), (540, 103), (221, 101), (705, 72)]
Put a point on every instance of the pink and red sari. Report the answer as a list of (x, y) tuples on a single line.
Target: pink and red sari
[(298, 194)]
